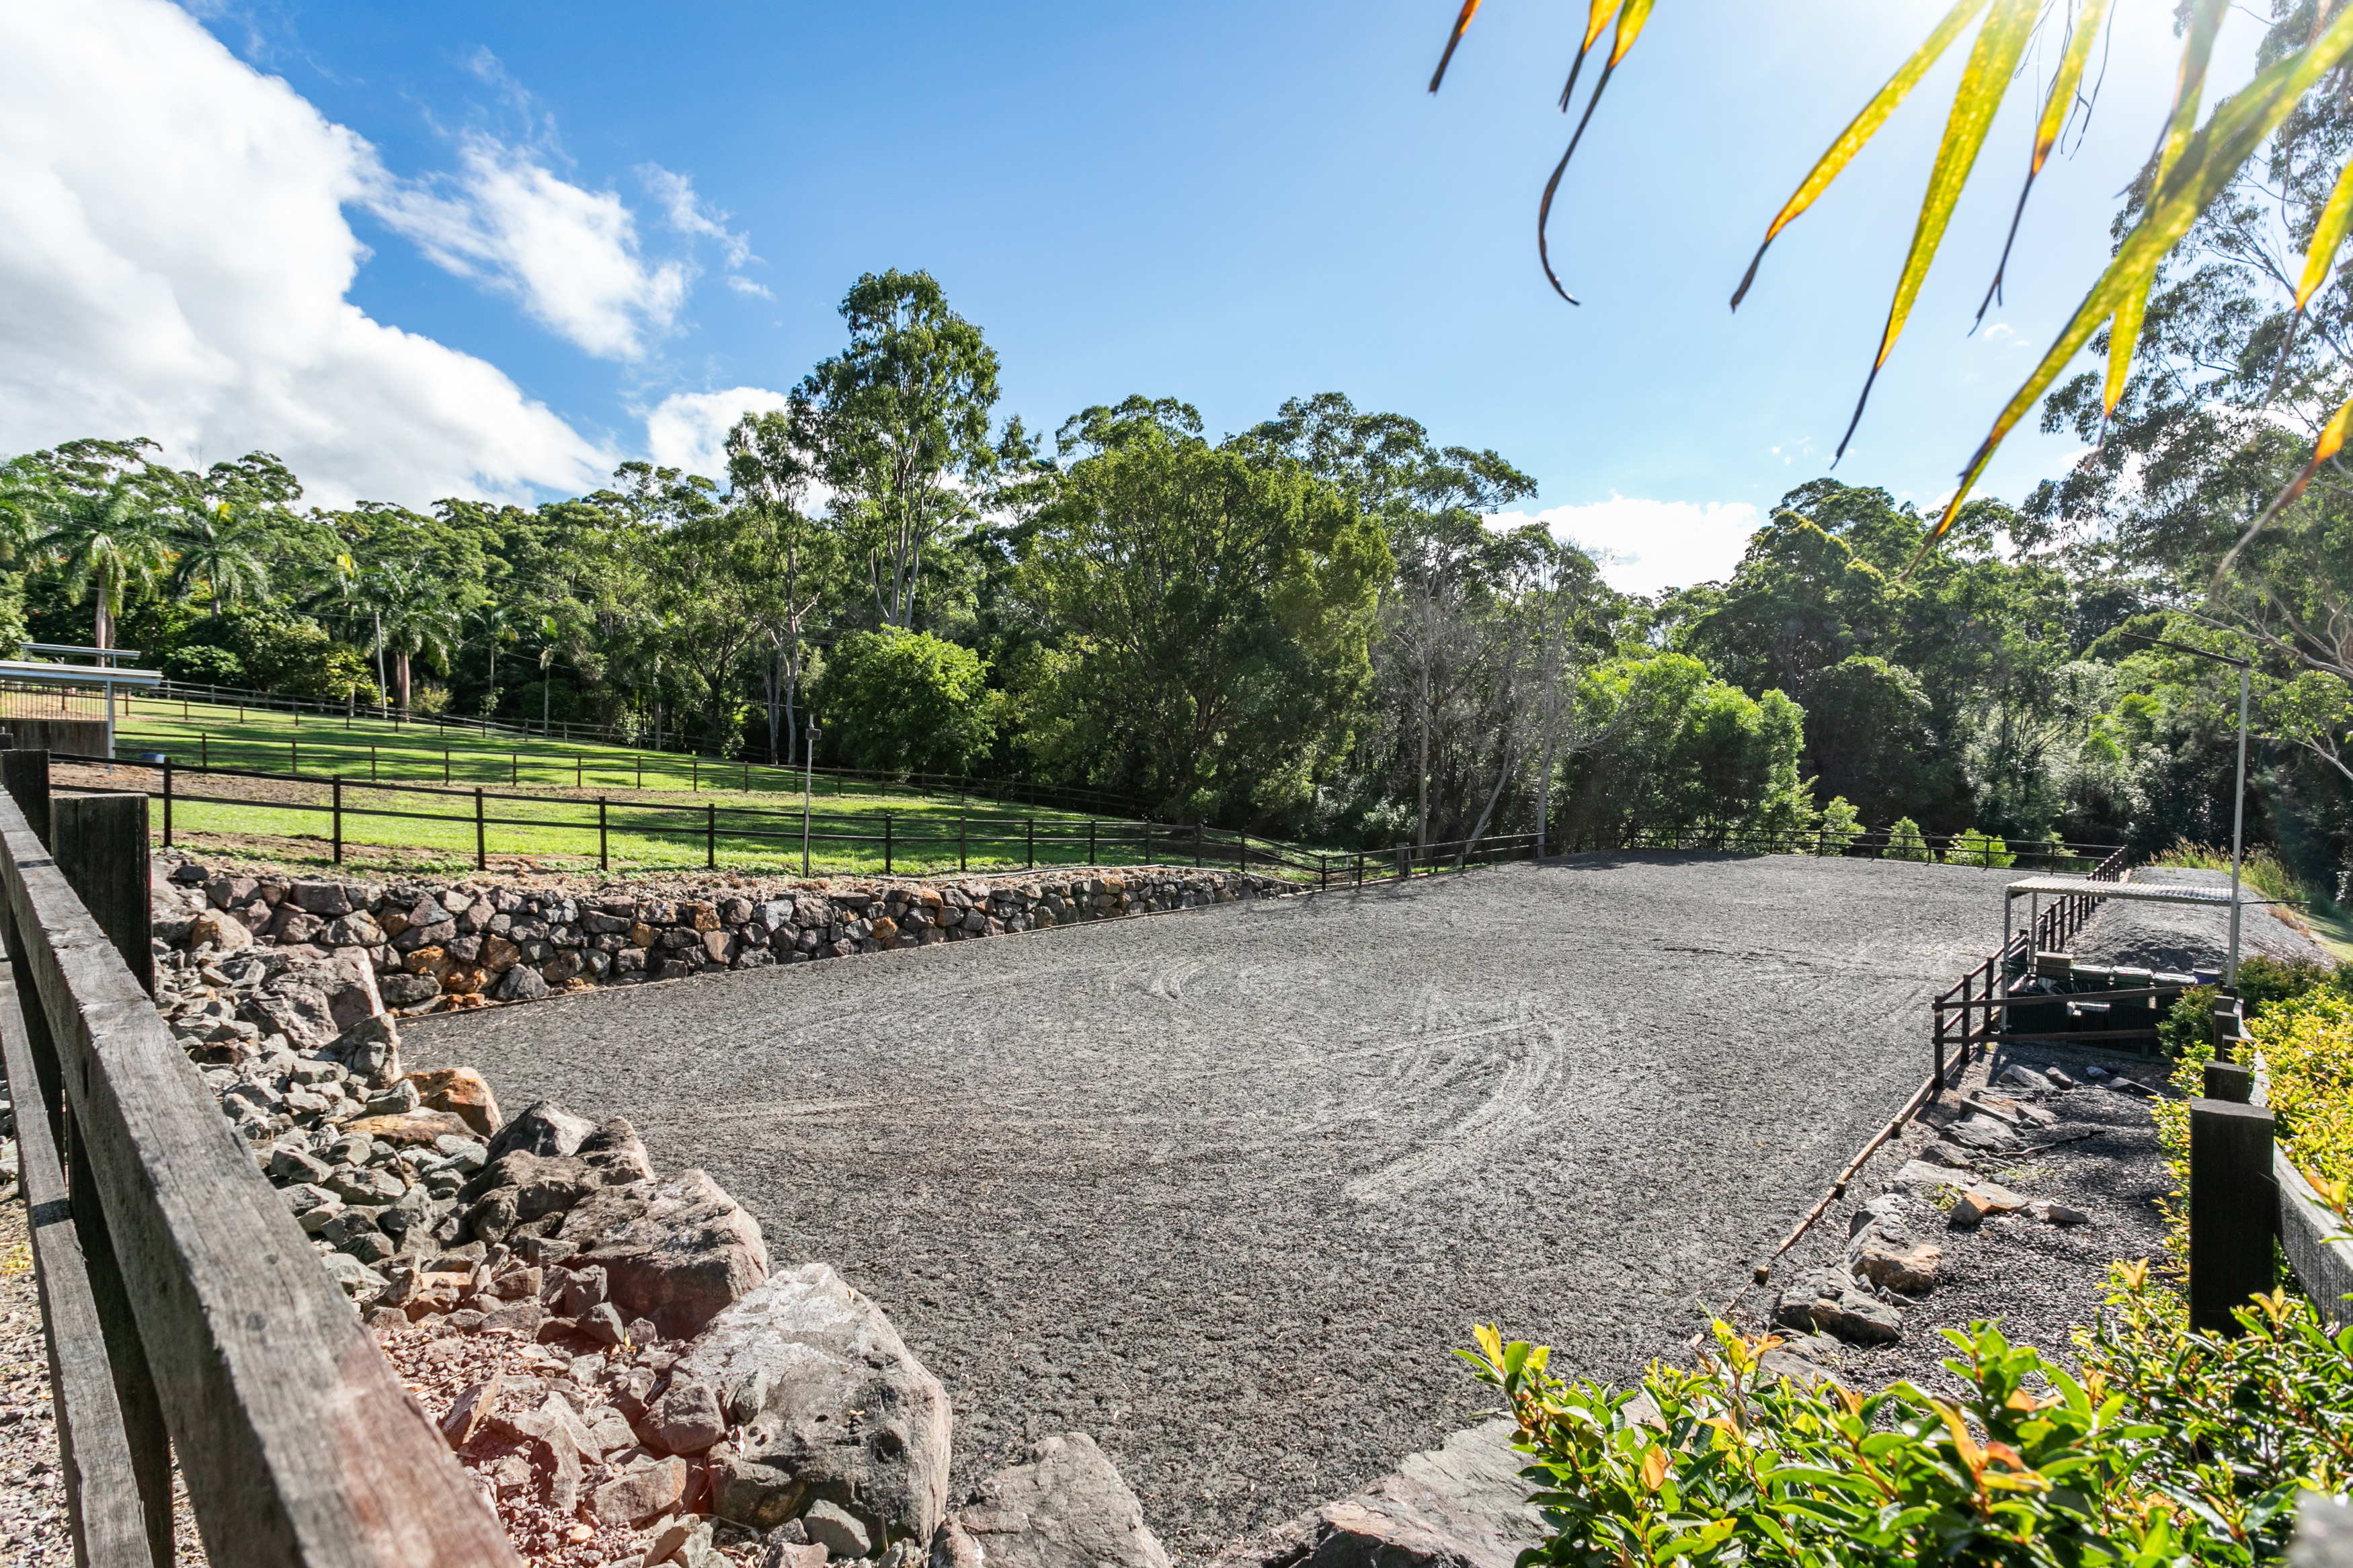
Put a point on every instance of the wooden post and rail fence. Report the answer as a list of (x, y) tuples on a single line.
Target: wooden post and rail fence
[(187, 1314)]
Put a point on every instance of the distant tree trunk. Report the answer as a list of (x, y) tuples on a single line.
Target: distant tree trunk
[(104, 623), (400, 667), (1422, 807)]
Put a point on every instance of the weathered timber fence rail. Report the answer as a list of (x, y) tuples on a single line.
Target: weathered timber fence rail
[(1969, 1014), (185, 1311)]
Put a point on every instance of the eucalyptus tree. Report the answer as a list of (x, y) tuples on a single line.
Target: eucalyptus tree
[(1209, 606), (897, 427), (1443, 653), (794, 560)]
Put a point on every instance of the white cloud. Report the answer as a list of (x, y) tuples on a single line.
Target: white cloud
[(1644, 546), (687, 430), (686, 214), (571, 255), (743, 285), (175, 261)]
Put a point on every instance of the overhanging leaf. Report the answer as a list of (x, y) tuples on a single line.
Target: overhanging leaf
[(1462, 26), (2002, 39), (1631, 18), (2327, 235), (2055, 110), (1598, 19), (2189, 87), (1861, 129), (2332, 441), (2212, 156)]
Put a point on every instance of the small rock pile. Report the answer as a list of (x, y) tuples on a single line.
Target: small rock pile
[(435, 945), (604, 1347), (1891, 1259)]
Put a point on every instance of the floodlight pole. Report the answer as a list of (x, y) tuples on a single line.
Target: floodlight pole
[(2238, 828), (809, 773)]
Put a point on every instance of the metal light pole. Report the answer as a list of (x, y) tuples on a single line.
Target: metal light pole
[(809, 773), (2238, 828), (2238, 800)]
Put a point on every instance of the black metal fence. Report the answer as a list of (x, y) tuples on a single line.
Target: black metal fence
[(1970, 1014)]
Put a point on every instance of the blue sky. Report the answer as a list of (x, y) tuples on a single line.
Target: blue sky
[(623, 210)]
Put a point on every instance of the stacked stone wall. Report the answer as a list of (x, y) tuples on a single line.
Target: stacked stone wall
[(435, 945)]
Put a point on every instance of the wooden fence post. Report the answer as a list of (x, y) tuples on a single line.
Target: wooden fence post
[(604, 860), (102, 1502), (336, 809), (25, 776), (2233, 1210), (711, 835), (886, 842), (100, 843), (481, 853), (168, 800)]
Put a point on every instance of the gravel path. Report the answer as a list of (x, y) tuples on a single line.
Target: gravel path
[(1223, 1187), (2184, 938), (2042, 1281)]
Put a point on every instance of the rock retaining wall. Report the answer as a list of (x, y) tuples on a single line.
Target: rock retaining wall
[(435, 945), (604, 1347)]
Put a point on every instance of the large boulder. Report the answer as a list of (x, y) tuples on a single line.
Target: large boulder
[(1063, 1506), (840, 1409), (677, 1251), (543, 1128), (462, 1092), (1825, 1301), (1460, 1506), (519, 1187)]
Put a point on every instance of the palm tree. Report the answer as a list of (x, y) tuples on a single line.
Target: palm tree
[(213, 543), (412, 617), (498, 629), (105, 543)]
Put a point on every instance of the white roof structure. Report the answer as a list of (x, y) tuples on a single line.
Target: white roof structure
[(2141, 892), (37, 674)]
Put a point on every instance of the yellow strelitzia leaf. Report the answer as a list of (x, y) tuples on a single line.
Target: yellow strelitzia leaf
[(2208, 162), (1861, 129), (1462, 26), (2189, 87), (1598, 19), (2325, 237), (1632, 15), (2332, 441), (2065, 87), (2002, 39)]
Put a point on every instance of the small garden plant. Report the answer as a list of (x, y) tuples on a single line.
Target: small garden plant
[(2169, 1447)]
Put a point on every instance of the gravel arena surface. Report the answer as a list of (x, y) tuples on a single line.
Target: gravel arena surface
[(1222, 1188)]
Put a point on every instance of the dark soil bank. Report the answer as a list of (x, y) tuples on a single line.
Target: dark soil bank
[(1222, 1188)]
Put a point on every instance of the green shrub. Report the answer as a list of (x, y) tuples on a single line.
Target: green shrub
[(199, 665), (2307, 1047), (2172, 1447), (1975, 848), (2263, 870), (1905, 842), (1841, 826), (905, 701)]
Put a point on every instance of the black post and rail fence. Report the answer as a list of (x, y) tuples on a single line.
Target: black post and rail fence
[(185, 1311)]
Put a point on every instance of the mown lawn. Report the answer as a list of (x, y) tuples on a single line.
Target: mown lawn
[(543, 804)]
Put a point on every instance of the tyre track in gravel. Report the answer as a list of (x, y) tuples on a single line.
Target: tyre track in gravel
[(1223, 1187)]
